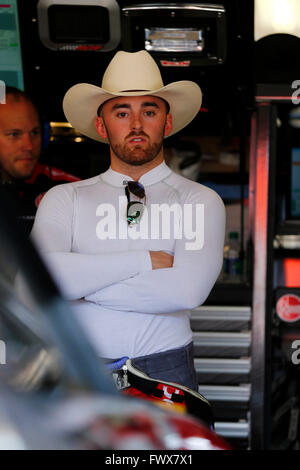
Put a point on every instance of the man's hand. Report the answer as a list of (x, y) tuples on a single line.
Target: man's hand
[(161, 259)]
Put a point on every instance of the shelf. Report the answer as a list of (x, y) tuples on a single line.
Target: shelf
[(221, 318), (288, 227), (220, 371), (221, 344)]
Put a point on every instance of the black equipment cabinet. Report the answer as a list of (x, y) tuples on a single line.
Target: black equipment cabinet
[(276, 277)]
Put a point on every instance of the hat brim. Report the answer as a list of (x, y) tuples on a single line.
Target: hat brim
[(82, 101)]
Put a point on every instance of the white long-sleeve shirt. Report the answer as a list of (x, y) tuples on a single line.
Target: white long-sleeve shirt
[(104, 267)]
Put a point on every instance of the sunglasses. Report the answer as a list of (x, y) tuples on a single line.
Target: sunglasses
[(135, 209)]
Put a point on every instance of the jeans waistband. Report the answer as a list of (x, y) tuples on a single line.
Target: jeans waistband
[(156, 359)]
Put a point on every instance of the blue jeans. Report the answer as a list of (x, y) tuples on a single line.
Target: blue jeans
[(175, 365)]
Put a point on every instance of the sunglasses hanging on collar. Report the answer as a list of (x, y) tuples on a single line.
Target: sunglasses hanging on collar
[(134, 209)]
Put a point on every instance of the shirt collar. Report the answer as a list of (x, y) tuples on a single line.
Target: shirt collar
[(151, 177)]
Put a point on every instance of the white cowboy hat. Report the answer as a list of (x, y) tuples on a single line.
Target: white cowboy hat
[(130, 74)]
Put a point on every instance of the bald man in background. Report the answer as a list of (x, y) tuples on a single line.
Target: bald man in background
[(23, 180)]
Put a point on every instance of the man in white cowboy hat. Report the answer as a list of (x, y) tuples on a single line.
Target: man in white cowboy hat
[(110, 241)]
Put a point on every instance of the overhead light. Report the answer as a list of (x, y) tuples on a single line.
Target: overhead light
[(60, 124), (276, 17), (177, 34)]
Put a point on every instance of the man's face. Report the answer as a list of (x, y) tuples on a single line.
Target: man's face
[(20, 139), (135, 127)]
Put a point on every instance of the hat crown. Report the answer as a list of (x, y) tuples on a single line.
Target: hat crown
[(132, 71)]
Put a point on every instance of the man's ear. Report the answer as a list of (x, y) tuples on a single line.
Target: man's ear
[(100, 127), (168, 125)]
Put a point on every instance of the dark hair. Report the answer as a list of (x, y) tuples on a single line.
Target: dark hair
[(17, 94), (101, 106)]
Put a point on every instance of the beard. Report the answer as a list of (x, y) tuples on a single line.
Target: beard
[(136, 155)]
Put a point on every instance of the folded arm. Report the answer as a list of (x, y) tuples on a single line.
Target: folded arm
[(78, 275), (184, 286)]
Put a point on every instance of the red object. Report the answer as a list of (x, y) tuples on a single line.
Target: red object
[(291, 268), (164, 432), (166, 398), (196, 436), (54, 174), (173, 63), (288, 308), (88, 48)]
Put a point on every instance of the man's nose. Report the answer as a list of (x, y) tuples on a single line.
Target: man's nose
[(136, 123), (27, 143)]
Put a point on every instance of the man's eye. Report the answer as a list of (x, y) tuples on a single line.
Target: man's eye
[(122, 114), (36, 132), (13, 135), (150, 113)]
